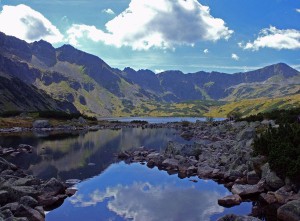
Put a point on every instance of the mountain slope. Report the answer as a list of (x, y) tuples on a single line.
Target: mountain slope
[(72, 76), (15, 95), (68, 74)]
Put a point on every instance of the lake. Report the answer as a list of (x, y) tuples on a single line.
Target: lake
[(111, 190), (158, 120)]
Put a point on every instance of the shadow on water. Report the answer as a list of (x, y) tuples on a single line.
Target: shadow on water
[(85, 154)]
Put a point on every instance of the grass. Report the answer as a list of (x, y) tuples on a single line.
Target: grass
[(255, 106)]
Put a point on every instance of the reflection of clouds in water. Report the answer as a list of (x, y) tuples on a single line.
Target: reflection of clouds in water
[(142, 201)]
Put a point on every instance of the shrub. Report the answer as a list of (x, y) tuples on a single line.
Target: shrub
[(282, 146), (280, 116), (234, 115), (185, 123)]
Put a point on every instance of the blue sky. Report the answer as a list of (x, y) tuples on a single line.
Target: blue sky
[(188, 35)]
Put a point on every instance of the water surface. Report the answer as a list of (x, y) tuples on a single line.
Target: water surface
[(157, 120), (135, 192), (116, 191)]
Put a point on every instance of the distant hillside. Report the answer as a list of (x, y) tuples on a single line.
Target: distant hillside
[(73, 78)]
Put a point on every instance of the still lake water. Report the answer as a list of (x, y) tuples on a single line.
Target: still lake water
[(117, 191), (156, 120)]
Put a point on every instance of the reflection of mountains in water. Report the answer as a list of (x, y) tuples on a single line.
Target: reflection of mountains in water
[(69, 157)]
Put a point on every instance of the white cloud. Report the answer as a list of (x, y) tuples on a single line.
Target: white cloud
[(162, 24), (235, 57), (298, 10), (205, 51), (148, 202), (276, 39), (158, 71), (25, 23), (108, 11)]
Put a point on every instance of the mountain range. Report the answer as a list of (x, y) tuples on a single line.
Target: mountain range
[(37, 76)]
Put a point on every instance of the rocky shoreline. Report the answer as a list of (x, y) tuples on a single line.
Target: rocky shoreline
[(223, 152), (24, 197)]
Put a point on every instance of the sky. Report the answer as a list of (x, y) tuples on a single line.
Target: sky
[(206, 35)]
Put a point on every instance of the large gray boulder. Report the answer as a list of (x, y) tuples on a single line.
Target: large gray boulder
[(53, 187), (274, 181), (246, 190), (41, 124), (172, 163), (289, 211), (246, 134)]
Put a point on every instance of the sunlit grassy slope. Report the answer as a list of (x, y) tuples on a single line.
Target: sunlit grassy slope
[(254, 106)]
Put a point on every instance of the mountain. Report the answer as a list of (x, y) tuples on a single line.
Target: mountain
[(15, 95), (175, 86), (70, 76)]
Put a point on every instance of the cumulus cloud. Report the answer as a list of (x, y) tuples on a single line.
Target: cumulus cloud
[(25, 23), (275, 38), (108, 11), (148, 202), (162, 24), (205, 51), (235, 57), (298, 10), (158, 71)]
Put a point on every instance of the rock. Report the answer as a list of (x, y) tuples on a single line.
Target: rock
[(268, 198), (53, 187), (187, 134), (51, 202), (289, 211), (229, 201), (252, 177), (246, 134), (283, 195), (265, 170), (123, 155), (6, 214), (70, 191), (40, 209), (41, 124), (172, 163), (232, 217), (11, 206), (274, 181), (81, 120), (16, 192), (245, 190), (28, 201), (204, 171), (173, 148), (5, 165), (191, 170), (31, 214), (3, 197), (27, 181)]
